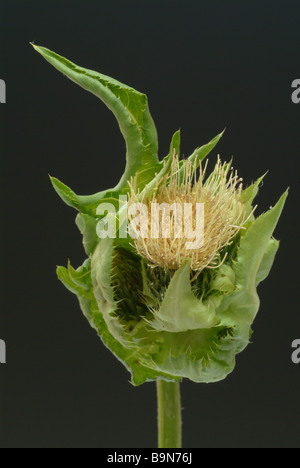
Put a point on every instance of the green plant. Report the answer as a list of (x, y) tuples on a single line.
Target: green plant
[(165, 313)]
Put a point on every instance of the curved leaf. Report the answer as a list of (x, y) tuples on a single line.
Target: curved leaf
[(128, 105)]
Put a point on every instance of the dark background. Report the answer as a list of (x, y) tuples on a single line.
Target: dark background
[(204, 66)]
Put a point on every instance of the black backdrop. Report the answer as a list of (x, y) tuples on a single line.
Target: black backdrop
[(204, 66)]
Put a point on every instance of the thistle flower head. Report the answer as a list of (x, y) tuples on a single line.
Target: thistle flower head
[(155, 321), (189, 216)]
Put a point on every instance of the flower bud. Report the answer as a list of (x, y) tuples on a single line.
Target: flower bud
[(178, 297)]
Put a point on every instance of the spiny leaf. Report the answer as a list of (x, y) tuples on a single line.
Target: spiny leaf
[(180, 310), (129, 106), (200, 153), (255, 243), (85, 204)]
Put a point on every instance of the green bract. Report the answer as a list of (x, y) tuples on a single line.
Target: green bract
[(162, 326)]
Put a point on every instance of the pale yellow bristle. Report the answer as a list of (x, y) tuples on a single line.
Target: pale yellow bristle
[(224, 214)]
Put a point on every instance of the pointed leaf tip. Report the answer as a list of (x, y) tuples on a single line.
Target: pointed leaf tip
[(129, 106)]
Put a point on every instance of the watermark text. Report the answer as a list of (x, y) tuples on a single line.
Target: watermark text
[(2, 352), (296, 353), (2, 92), (296, 93), (154, 221)]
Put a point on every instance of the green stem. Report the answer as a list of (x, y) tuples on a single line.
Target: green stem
[(169, 414)]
